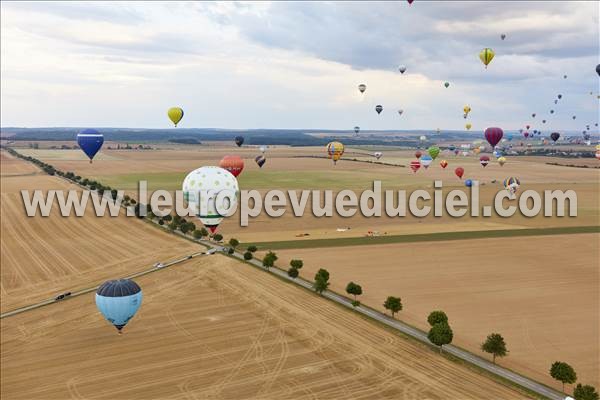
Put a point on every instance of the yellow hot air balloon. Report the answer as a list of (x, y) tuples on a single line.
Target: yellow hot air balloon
[(502, 161), (476, 150), (486, 55), (467, 109), (335, 151), (468, 126), (175, 114)]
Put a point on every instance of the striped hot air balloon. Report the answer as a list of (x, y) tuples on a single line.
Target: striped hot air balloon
[(486, 55), (335, 150)]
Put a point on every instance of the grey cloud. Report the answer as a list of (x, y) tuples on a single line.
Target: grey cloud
[(94, 11)]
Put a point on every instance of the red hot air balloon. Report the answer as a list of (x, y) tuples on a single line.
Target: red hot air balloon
[(526, 134), (415, 165), (484, 160), (418, 154), (233, 164), (460, 171), (411, 1), (493, 136)]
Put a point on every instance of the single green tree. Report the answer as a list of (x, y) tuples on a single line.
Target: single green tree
[(203, 232), (293, 272), (234, 242), (184, 228), (354, 289), (248, 256), (269, 260), (495, 345), (166, 217), (585, 392), (217, 237), (172, 226), (394, 304), (440, 334), (322, 272), (436, 317), (230, 250), (252, 248), (298, 264), (197, 234), (161, 222), (321, 284), (563, 372)]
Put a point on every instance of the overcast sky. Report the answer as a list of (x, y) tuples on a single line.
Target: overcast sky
[(298, 64)]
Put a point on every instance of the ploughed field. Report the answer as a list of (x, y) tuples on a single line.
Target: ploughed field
[(540, 292), (215, 328)]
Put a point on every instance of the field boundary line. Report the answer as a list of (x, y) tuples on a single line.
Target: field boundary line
[(424, 237)]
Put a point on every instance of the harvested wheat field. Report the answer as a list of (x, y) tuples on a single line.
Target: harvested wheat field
[(540, 293), (42, 257), (214, 328)]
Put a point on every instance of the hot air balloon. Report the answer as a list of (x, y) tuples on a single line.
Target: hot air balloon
[(410, 2), (205, 181), (559, 96), (598, 69), (574, 116), (446, 84), (433, 151), (468, 183), (486, 55), (400, 112), (418, 154), (443, 164), (356, 129), (502, 161), (526, 134), (239, 140), (379, 108), (118, 301), (503, 36), (378, 154), (533, 115), (543, 121), (263, 149), (451, 147), (175, 114), (476, 150), (459, 172), (564, 77), (466, 110), (422, 138), (468, 126), (362, 87), (484, 160), (554, 136), (402, 69), (335, 150), (456, 152), (527, 126), (260, 160), (512, 185), (415, 165), (233, 164), (494, 135), (90, 141), (425, 161)]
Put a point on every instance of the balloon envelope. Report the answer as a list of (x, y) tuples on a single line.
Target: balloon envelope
[(486, 55), (402, 69), (202, 186), (379, 108), (239, 140), (362, 87), (260, 160), (459, 172), (90, 141), (425, 161), (335, 150), (233, 164), (494, 135), (118, 301), (175, 114), (433, 151), (554, 136)]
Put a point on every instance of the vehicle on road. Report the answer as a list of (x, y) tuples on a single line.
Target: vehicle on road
[(189, 257), (211, 251), (59, 297), (159, 265)]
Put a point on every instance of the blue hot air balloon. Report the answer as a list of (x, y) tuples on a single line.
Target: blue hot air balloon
[(468, 183), (118, 301), (90, 141)]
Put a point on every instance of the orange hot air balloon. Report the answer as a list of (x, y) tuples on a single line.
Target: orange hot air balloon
[(460, 171), (444, 164), (233, 164)]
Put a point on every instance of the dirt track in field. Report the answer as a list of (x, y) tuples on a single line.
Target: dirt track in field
[(217, 329), (540, 293)]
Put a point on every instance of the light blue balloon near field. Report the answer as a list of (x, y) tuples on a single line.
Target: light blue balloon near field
[(118, 301)]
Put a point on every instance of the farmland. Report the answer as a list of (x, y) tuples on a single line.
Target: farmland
[(214, 328)]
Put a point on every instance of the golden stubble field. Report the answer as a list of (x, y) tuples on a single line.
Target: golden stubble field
[(540, 293), (213, 328), (42, 257), (289, 168)]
